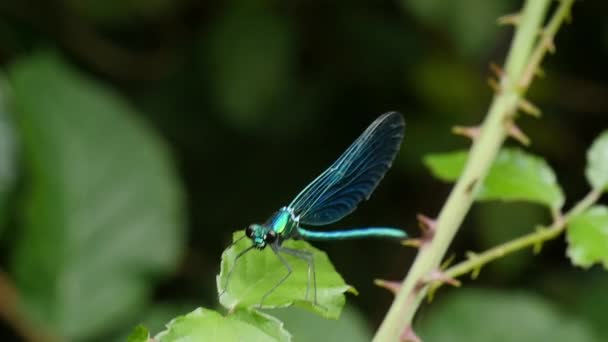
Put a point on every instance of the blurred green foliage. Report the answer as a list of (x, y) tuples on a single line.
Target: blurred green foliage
[(92, 205), (489, 315), (136, 136)]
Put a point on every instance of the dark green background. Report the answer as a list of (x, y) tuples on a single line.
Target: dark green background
[(255, 98)]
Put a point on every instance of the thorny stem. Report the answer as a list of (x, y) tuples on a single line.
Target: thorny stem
[(520, 66), (537, 238)]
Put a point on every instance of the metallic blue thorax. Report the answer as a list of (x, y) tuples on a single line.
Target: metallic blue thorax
[(283, 223)]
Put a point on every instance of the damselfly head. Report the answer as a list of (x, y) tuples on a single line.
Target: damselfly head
[(260, 235)]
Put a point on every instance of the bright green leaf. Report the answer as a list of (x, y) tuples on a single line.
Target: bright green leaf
[(352, 326), (258, 271), (103, 209), (139, 334), (597, 163), (154, 318), (208, 325), (514, 176), (484, 315), (588, 237), (446, 166), (266, 323)]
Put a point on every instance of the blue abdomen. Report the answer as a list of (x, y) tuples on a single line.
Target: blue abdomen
[(370, 232)]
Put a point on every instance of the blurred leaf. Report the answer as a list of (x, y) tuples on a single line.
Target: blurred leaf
[(304, 327), (590, 301), (258, 271), (249, 68), (446, 166), (8, 150), (113, 13), (597, 163), (500, 222), (104, 207), (139, 334), (448, 87), (484, 315), (515, 176), (587, 237), (471, 24), (208, 325)]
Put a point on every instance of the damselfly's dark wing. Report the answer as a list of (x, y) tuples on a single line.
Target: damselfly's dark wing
[(354, 176)]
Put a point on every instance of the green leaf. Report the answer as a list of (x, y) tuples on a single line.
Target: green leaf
[(208, 325), (514, 176), (446, 166), (139, 334), (352, 326), (597, 163), (258, 271), (484, 315), (587, 237), (103, 211), (154, 318)]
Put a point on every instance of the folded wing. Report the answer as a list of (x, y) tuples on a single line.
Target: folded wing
[(354, 176)]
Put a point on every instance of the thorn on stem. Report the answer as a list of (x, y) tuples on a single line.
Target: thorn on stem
[(493, 83), (547, 41), (393, 286), (444, 265), (538, 247), (475, 272), (471, 132), (539, 72), (529, 108), (408, 335), (509, 19), (497, 70), (428, 227), (550, 45), (516, 133), (426, 223), (416, 243)]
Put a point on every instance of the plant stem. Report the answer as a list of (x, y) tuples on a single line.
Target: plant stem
[(11, 313), (483, 152), (476, 261)]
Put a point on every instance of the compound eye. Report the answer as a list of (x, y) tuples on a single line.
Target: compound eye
[(270, 237), (249, 232)]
